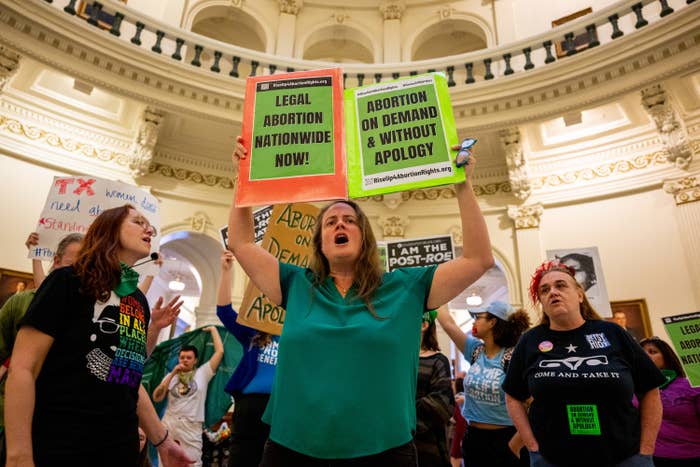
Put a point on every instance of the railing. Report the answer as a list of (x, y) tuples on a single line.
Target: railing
[(193, 50)]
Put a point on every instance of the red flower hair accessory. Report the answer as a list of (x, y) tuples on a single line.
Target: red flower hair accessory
[(541, 270)]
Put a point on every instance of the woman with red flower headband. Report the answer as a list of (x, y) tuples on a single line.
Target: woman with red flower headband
[(581, 372)]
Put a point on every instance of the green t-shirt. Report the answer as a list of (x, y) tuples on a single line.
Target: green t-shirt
[(346, 381), (10, 314)]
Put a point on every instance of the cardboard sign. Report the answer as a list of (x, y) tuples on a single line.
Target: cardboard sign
[(288, 238), (260, 219), (684, 332), (293, 131), (420, 251), (589, 273), (399, 136), (73, 203)]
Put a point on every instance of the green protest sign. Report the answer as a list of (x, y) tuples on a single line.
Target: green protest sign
[(399, 135), (684, 332), (292, 119)]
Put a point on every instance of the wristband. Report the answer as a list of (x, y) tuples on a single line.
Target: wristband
[(155, 445)]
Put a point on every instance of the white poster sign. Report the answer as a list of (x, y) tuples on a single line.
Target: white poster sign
[(589, 273), (73, 203)]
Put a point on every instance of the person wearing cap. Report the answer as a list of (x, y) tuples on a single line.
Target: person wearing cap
[(581, 373), (435, 400), (496, 329)]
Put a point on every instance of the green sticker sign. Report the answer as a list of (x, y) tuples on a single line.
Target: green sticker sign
[(684, 332), (583, 419), (399, 135), (293, 129)]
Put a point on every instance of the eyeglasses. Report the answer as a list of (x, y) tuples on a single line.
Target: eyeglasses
[(480, 316), (145, 225), (107, 325)]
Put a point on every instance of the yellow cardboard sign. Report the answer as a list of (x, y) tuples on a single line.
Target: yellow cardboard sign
[(288, 237)]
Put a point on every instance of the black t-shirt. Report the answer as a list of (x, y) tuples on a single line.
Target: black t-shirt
[(582, 382), (87, 389)]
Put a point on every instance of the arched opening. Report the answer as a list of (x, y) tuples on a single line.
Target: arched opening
[(491, 286), (448, 37), (339, 44), (230, 25), (190, 270)]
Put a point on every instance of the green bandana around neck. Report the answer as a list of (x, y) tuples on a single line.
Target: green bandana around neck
[(128, 281), (430, 316), (670, 375)]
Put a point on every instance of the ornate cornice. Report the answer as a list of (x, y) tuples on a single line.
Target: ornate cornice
[(9, 64), (190, 176), (290, 7), (587, 174), (670, 126), (26, 115), (393, 226), (39, 135), (518, 172), (526, 217), (684, 190), (660, 51), (392, 10), (199, 222), (57, 141)]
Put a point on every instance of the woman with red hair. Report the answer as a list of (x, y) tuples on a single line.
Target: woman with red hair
[(74, 394), (581, 373)]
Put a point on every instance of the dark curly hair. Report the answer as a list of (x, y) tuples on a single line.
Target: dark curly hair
[(507, 333)]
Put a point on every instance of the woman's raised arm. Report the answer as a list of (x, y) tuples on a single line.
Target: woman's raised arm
[(260, 265), (454, 276)]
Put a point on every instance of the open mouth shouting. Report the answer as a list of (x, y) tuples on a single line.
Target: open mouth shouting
[(341, 238)]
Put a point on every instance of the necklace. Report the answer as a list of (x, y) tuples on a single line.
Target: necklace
[(343, 290)]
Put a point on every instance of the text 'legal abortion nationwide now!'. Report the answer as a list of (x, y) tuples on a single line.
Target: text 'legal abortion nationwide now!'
[(293, 130)]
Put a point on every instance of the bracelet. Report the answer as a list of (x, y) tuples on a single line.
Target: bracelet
[(155, 445)]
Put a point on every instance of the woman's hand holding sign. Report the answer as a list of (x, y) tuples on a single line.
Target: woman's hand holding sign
[(239, 153), (464, 157)]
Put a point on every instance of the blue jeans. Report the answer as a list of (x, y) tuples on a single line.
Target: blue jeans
[(637, 460)]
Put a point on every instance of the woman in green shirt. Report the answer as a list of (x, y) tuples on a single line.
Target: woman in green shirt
[(351, 334)]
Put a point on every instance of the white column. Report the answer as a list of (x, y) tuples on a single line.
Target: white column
[(686, 194), (391, 11), (528, 245), (286, 29)]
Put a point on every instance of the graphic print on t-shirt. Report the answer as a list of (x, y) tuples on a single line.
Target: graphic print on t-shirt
[(118, 338), (592, 364), (484, 384), (268, 354), (185, 388)]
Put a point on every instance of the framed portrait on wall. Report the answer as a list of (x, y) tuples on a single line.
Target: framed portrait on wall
[(632, 315), (589, 273), (12, 282)]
